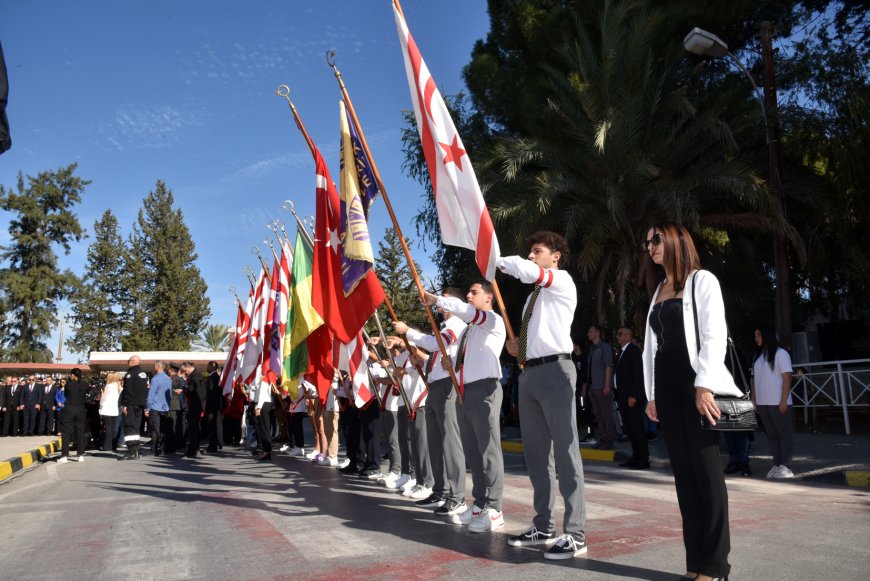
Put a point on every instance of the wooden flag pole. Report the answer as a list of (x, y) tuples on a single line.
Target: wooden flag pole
[(435, 330), (260, 256), (397, 382), (288, 205)]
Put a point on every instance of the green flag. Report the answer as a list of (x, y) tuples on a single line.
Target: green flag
[(302, 319)]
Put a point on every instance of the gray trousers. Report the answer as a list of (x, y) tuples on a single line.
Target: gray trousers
[(777, 426), (548, 420), (415, 433), (445, 443), (602, 406), (391, 433), (481, 440)]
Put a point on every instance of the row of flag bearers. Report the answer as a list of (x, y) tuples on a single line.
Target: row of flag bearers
[(438, 390)]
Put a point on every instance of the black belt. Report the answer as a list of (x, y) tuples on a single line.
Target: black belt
[(547, 359)]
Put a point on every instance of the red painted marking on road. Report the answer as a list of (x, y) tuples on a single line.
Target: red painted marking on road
[(428, 565)]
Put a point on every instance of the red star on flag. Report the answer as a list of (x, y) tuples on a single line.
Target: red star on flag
[(453, 152)]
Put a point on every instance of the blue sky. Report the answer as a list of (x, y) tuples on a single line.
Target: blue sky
[(184, 92)]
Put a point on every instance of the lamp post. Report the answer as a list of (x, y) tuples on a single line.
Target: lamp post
[(704, 43)]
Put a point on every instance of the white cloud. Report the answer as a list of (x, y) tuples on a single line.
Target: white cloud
[(154, 127)]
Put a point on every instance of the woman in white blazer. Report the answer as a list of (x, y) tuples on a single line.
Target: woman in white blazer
[(681, 378)]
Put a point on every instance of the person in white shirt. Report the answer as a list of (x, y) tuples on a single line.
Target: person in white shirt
[(412, 427), (547, 389), (771, 394), (442, 425), (478, 368), (109, 409)]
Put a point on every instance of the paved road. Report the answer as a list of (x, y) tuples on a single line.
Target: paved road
[(228, 517)]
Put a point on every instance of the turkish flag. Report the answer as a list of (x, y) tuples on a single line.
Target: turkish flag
[(462, 213), (344, 314)]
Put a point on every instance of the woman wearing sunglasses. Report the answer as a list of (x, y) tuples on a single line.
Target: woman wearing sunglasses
[(682, 371)]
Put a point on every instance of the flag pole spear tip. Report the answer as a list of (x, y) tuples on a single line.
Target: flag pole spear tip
[(284, 91), (330, 59)]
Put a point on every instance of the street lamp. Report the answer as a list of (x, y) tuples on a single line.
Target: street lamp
[(704, 43)]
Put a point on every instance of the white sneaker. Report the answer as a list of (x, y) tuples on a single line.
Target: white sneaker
[(406, 487), (62, 460), (284, 448), (782, 472), (465, 518), (343, 463), (312, 454), (389, 480), (413, 489), (423, 492), (80, 458), (486, 520), (400, 482), (773, 472)]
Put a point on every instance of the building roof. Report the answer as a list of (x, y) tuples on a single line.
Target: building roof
[(117, 360), (46, 368)]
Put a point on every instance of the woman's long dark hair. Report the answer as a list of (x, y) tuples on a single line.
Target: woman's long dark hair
[(680, 255), (769, 345)]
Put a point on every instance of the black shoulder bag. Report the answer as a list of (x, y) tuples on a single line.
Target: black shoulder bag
[(736, 414)]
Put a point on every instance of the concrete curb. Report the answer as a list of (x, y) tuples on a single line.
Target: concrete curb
[(22, 461), (585, 453)]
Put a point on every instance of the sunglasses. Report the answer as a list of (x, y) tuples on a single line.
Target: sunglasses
[(654, 241)]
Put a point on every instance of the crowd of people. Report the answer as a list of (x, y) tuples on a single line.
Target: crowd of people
[(439, 403)]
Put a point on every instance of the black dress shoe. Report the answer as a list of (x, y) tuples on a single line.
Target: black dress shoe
[(264, 457), (640, 466), (732, 468), (628, 464)]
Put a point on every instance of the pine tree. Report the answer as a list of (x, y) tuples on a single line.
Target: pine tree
[(398, 284), (97, 317), (30, 281), (166, 301)]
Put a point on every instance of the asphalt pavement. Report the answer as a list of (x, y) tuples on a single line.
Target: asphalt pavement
[(227, 516)]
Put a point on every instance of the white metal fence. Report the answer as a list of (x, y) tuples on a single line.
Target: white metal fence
[(831, 384)]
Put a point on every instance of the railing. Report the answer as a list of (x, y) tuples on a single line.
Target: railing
[(843, 384)]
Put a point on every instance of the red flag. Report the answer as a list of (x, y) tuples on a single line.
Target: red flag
[(344, 314), (462, 213), (354, 359), (231, 364)]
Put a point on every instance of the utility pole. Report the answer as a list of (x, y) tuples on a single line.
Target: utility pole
[(60, 340), (780, 246)]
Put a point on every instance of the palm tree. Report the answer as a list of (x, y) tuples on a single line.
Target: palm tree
[(213, 338), (626, 146)]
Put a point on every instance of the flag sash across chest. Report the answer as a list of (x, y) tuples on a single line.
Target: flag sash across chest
[(462, 213)]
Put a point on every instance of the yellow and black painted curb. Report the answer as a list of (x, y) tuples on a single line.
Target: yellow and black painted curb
[(585, 453), (22, 461), (860, 478)]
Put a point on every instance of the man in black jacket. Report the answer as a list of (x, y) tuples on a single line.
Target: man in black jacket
[(133, 398), (49, 408), (175, 440), (196, 394), (73, 418), (13, 408), (631, 396), (31, 397), (214, 408)]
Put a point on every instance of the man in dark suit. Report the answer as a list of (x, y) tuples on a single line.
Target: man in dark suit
[(631, 396), (31, 397), (49, 408), (13, 408), (196, 394), (214, 407)]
